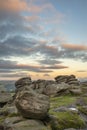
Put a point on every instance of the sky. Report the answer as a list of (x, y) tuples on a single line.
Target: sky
[(43, 38)]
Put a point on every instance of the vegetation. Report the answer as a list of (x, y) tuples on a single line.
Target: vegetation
[(62, 101), (67, 120)]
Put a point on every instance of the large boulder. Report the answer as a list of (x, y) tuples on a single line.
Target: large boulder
[(32, 105)]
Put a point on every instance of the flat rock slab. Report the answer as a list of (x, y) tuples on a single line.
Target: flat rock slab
[(12, 124)]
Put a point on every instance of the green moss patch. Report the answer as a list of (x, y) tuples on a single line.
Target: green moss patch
[(67, 120), (62, 101)]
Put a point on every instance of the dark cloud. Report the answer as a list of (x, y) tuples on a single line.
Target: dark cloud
[(7, 66), (49, 61), (6, 71)]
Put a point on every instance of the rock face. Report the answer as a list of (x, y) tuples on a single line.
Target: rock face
[(67, 79), (32, 105)]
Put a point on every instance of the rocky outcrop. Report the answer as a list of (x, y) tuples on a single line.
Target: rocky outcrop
[(33, 99), (69, 79), (32, 105)]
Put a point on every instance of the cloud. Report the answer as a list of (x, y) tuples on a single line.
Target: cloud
[(74, 47), (55, 67), (13, 5), (14, 75), (9, 66), (27, 30), (12, 65), (81, 71), (47, 75), (49, 61)]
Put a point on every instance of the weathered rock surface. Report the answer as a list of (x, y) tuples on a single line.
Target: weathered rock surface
[(54, 89), (16, 123), (32, 105), (22, 82), (67, 79)]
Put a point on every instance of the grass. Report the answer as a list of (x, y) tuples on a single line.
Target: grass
[(62, 101), (67, 120)]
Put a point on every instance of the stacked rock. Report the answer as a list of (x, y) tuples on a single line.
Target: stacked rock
[(29, 102), (69, 79), (23, 81)]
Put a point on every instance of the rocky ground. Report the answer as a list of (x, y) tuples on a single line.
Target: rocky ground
[(45, 105)]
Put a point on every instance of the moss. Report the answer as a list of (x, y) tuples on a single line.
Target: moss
[(82, 110), (82, 101), (67, 120), (85, 100), (14, 115), (62, 101), (2, 119)]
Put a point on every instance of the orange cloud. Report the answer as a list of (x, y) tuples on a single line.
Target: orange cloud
[(34, 8), (74, 47), (21, 5), (13, 5)]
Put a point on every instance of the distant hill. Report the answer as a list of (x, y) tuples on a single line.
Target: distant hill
[(7, 85)]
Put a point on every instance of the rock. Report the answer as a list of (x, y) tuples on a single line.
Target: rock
[(70, 129), (54, 89), (37, 86), (5, 97), (66, 109), (11, 110), (40, 85), (23, 124), (1, 127), (32, 105), (76, 91), (67, 79), (10, 121), (23, 82)]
